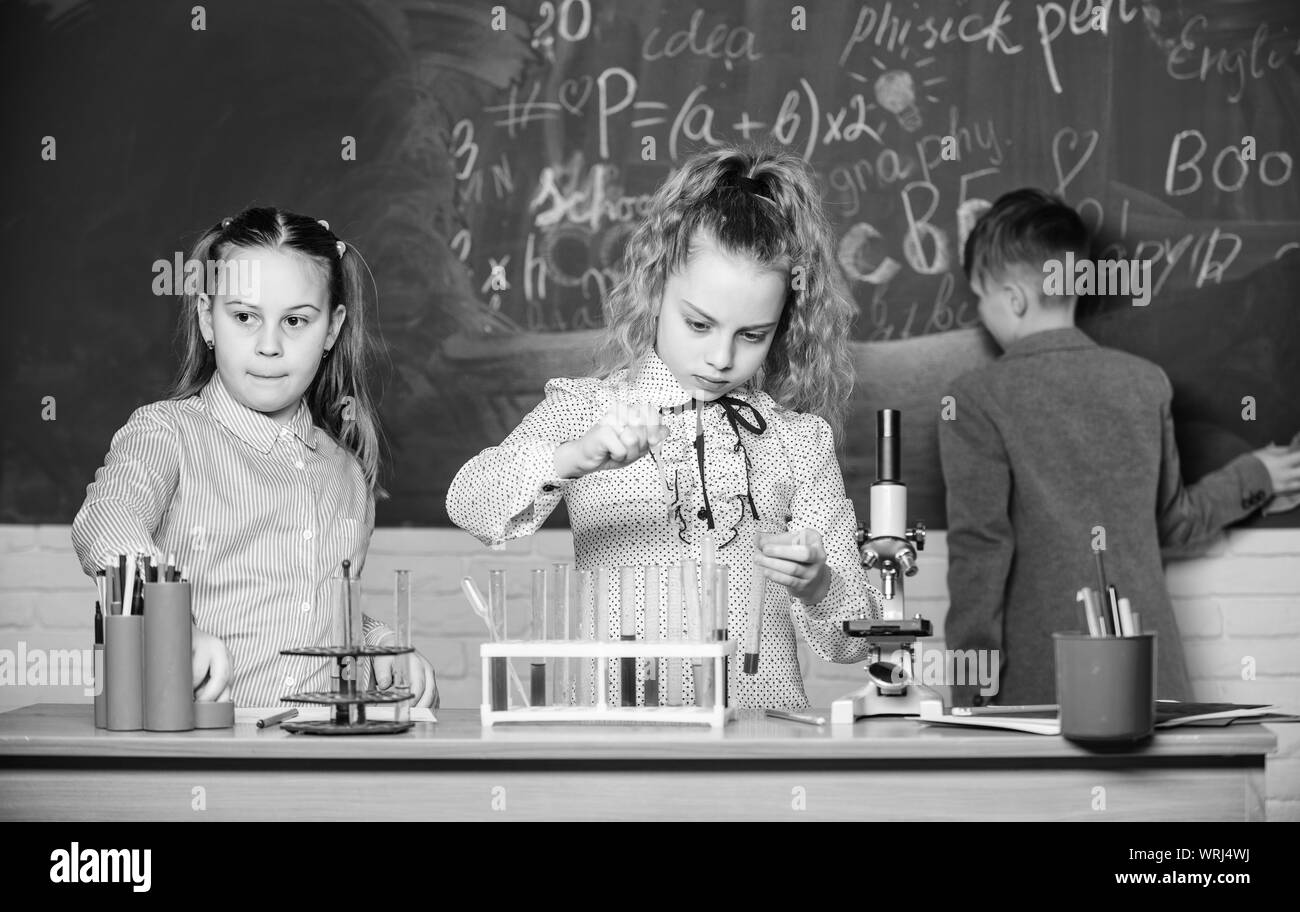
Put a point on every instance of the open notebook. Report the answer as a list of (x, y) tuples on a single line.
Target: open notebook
[(1038, 720), (1045, 719), (248, 715)]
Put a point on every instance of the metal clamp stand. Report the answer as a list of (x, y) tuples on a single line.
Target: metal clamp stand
[(348, 701), (890, 547)]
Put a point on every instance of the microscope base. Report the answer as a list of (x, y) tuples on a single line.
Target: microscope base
[(869, 701)]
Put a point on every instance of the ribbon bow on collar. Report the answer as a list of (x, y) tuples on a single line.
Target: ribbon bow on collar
[(756, 424), (733, 406)]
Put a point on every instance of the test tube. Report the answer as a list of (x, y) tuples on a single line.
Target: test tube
[(498, 664), (600, 584), (651, 685), (558, 629), (701, 672), (538, 681), (347, 632), (402, 628), (720, 604), (708, 566), (627, 628), (674, 634), (754, 626), (586, 687)]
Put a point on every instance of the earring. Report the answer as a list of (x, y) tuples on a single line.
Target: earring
[(210, 344), (325, 354)]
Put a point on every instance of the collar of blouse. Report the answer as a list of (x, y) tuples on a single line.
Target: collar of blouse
[(722, 460)]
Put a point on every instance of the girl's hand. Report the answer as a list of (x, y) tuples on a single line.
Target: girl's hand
[(797, 561), (622, 436), (410, 669), (211, 665)]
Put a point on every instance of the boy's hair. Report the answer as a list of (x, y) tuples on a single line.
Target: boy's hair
[(1024, 228), (762, 204), (338, 397)]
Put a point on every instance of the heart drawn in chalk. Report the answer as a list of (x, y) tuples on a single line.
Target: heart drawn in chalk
[(1091, 136), (574, 94)]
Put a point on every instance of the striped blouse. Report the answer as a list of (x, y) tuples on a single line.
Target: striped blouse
[(787, 473), (259, 515)]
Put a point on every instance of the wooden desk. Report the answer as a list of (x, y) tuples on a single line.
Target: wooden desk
[(54, 765)]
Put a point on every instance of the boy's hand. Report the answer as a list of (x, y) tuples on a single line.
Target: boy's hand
[(1283, 465), (622, 436), (211, 664), (797, 561), (411, 669)]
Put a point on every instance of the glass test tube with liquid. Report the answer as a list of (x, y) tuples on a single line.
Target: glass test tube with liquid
[(498, 665), (558, 629), (402, 629), (603, 680), (650, 683), (721, 603), (627, 676), (585, 683), (674, 589), (347, 633), (693, 607), (538, 667)]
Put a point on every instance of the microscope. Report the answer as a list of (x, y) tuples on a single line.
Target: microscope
[(887, 545)]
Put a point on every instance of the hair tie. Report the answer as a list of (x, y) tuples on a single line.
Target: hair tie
[(324, 224), (225, 222), (342, 247)]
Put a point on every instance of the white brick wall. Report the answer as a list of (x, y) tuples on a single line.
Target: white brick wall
[(1237, 599)]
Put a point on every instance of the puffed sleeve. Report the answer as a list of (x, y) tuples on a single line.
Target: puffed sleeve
[(819, 503), (130, 495), (507, 491)]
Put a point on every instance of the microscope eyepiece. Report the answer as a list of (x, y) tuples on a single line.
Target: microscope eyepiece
[(888, 437)]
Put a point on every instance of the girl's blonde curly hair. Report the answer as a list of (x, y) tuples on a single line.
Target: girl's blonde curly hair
[(762, 204)]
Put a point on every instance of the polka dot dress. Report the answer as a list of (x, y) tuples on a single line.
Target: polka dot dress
[(787, 474)]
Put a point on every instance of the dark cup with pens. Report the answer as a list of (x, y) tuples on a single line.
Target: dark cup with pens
[(1106, 678)]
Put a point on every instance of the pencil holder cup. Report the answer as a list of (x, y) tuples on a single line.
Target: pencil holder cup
[(124, 672), (168, 673), (1106, 686)]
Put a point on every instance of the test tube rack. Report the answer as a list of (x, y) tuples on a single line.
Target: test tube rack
[(716, 715), (349, 704)]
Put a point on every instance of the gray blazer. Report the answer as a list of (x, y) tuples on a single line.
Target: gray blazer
[(1056, 437)]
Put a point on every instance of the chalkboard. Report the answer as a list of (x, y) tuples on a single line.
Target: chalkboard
[(504, 152)]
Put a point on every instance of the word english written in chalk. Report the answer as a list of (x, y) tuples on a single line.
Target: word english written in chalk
[(1127, 278)]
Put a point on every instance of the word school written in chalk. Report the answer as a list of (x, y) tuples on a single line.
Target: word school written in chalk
[(1129, 278), (78, 865)]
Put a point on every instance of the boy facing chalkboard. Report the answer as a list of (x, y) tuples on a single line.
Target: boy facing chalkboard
[(1059, 447)]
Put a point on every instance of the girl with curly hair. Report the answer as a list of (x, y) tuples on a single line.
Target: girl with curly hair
[(724, 379)]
